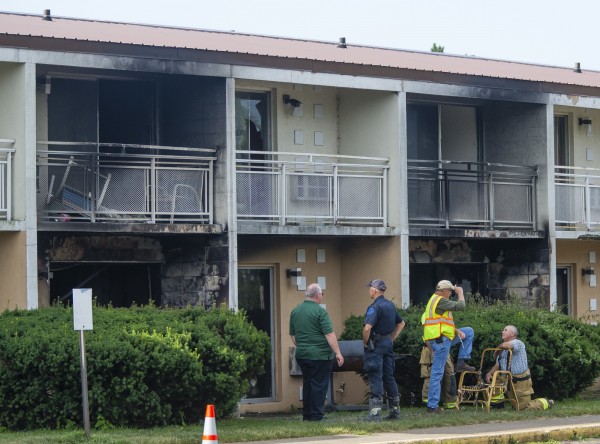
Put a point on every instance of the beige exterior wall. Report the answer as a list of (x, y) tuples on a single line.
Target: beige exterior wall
[(349, 265), (575, 254), (12, 126), (580, 137), (13, 283)]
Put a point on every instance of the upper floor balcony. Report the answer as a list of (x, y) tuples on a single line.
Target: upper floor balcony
[(6, 193), (471, 195), (124, 183), (577, 198), (283, 188)]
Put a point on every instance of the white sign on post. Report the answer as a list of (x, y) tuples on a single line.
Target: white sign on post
[(82, 309), (82, 320)]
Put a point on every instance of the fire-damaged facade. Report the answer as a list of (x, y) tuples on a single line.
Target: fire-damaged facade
[(182, 167), (126, 173)]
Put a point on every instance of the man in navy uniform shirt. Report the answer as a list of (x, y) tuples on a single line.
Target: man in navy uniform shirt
[(382, 326)]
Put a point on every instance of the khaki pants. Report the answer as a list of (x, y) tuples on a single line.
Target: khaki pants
[(448, 392), (523, 392)]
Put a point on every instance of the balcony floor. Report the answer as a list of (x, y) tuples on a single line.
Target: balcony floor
[(88, 227), (469, 233)]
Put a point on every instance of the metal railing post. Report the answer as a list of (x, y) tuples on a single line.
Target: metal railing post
[(446, 198), (336, 197), (8, 189), (491, 209), (283, 195), (93, 165), (533, 203), (209, 191), (153, 190), (384, 195), (588, 210)]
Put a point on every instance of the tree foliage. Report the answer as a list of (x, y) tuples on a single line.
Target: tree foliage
[(437, 48)]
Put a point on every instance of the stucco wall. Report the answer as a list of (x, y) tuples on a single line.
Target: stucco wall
[(13, 291), (349, 265), (575, 253), (12, 126)]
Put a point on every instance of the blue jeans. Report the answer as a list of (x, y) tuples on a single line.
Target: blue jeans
[(441, 350), (379, 366)]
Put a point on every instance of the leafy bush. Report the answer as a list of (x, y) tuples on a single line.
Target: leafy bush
[(146, 366), (563, 353)]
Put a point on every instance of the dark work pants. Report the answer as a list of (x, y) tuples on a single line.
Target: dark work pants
[(380, 366), (315, 382)]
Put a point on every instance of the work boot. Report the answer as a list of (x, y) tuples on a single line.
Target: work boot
[(436, 410), (374, 410), (394, 406), (462, 366)]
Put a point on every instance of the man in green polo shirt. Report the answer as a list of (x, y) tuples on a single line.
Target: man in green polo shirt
[(316, 344)]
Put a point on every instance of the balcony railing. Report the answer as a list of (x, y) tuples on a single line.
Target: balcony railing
[(303, 189), (6, 154), (577, 192), (475, 195), (124, 183)]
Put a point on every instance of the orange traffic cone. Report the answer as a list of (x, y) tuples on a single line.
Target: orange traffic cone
[(209, 435)]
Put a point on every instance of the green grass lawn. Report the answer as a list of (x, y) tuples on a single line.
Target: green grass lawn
[(257, 428)]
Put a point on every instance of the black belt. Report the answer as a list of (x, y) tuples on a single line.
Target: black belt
[(377, 336), (522, 378)]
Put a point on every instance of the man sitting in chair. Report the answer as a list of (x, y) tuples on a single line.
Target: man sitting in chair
[(521, 376)]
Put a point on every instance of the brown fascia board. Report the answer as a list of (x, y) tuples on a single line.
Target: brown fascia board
[(316, 66)]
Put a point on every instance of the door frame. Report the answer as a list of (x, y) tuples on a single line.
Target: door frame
[(569, 276), (271, 269)]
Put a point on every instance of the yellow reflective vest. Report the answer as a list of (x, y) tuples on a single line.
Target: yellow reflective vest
[(435, 325)]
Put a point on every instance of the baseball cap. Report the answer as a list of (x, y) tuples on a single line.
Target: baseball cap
[(378, 284), (443, 285)]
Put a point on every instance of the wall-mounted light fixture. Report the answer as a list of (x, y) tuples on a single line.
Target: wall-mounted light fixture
[(293, 272), (585, 121), (589, 274), (289, 101)]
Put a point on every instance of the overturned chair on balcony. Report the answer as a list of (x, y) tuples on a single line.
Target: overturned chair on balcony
[(473, 389), (71, 197)]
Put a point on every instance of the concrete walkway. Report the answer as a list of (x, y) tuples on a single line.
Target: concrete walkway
[(559, 429)]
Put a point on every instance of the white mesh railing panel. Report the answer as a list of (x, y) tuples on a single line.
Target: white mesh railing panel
[(125, 187), (512, 203), (594, 205), (424, 200), (180, 191), (467, 201), (360, 197), (125, 191), (309, 196), (257, 194), (569, 203)]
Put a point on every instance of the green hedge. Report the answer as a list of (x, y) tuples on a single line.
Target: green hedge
[(563, 353), (146, 366)]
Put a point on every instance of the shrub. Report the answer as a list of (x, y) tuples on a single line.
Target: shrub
[(563, 353), (146, 366)]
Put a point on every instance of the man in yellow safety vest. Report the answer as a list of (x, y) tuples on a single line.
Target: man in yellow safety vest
[(440, 333)]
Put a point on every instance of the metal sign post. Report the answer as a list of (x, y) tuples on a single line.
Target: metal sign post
[(82, 320)]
